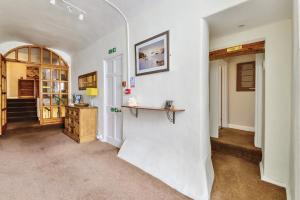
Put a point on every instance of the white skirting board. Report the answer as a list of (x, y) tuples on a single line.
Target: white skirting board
[(243, 128), (270, 180)]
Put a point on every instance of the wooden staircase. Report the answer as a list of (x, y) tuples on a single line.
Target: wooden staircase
[(237, 143), (21, 110)]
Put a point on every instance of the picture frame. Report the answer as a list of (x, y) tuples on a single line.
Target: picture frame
[(245, 77), (77, 98), (87, 81), (152, 55)]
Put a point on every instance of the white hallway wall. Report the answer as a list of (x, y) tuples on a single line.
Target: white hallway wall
[(278, 62), (177, 154), (241, 105), (295, 139)]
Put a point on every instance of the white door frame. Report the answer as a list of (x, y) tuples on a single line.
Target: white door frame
[(224, 93), (259, 101), (214, 95), (219, 108), (104, 137)]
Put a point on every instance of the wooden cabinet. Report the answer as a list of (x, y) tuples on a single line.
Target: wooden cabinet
[(26, 88), (81, 123)]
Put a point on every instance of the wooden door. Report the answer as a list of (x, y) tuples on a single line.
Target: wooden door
[(3, 101)]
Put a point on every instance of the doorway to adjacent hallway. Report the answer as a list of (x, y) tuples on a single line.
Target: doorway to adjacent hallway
[(37, 87), (236, 100)]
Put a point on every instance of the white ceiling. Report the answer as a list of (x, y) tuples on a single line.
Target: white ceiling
[(252, 13), (39, 22)]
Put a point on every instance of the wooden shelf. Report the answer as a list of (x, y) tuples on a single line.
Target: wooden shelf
[(172, 111)]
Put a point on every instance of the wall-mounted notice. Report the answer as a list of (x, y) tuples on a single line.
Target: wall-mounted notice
[(132, 82)]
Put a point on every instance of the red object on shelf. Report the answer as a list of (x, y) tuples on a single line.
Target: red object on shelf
[(128, 91)]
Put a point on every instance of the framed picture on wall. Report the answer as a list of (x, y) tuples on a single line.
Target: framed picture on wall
[(245, 80), (152, 55), (87, 81)]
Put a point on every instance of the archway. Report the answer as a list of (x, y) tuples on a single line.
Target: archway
[(35, 72)]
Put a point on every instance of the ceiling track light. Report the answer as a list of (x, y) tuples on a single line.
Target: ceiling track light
[(81, 17), (71, 8)]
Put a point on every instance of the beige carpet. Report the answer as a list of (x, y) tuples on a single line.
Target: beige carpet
[(238, 179), (244, 139), (48, 165)]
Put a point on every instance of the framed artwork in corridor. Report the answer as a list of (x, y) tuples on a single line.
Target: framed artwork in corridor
[(152, 55)]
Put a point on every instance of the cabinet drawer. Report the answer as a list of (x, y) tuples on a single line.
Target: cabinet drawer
[(74, 121), (76, 131), (75, 114), (66, 123), (67, 113)]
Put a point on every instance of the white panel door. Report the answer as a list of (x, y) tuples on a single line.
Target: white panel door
[(113, 118)]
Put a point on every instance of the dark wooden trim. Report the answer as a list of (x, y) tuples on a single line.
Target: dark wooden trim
[(245, 49), (167, 33)]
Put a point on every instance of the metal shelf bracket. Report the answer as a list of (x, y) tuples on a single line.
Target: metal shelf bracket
[(135, 113)]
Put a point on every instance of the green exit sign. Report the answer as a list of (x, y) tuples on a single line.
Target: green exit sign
[(113, 50)]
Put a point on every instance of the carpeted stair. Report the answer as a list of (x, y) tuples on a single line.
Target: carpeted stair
[(237, 143), (21, 110)]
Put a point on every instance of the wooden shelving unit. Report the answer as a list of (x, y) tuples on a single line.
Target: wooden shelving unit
[(171, 113)]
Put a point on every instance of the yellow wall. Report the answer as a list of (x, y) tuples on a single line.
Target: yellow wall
[(14, 72)]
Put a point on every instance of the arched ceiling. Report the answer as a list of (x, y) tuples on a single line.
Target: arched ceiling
[(39, 22)]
